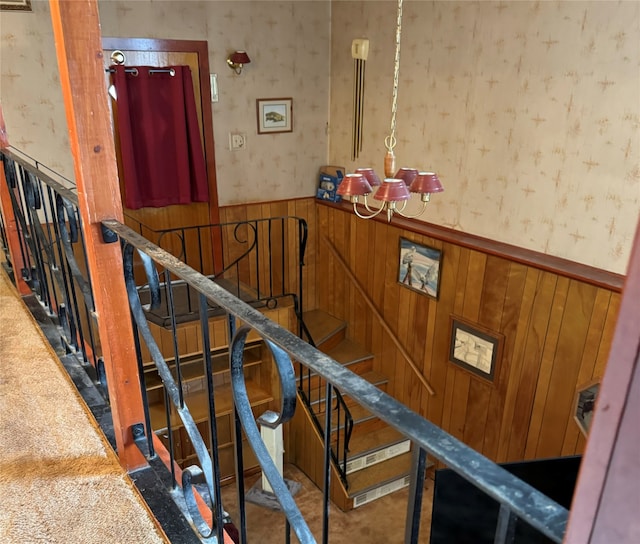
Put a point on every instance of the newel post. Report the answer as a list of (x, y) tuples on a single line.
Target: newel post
[(76, 28)]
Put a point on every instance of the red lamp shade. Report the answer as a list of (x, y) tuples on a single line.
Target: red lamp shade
[(354, 185), (239, 57), (392, 190), (426, 182), (370, 176), (406, 174)]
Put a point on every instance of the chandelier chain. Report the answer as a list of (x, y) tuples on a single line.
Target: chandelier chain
[(390, 141)]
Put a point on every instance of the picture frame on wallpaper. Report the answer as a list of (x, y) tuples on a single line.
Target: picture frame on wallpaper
[(11, 5), (584, 405), (475, 348), (274, 115), (419, 268)]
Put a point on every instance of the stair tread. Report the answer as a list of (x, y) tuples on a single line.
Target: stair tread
[(348, 351), (375, 475), (367, 443), (322, 325)]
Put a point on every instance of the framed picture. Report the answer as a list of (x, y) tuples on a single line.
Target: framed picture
[(584, 406), (274, 115), (24, 5), (419, 267), (475, 348)]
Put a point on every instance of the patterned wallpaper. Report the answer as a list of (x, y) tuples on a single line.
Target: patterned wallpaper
[(273, 166), (30, 87), (528, 111)]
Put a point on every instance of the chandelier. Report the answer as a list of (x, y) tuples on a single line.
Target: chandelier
[(395, 190)]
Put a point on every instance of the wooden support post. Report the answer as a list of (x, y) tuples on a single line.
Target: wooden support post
[(76, 28), (605, 503), (13, 235)]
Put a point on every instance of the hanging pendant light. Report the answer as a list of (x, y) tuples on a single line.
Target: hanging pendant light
[(395, 191)]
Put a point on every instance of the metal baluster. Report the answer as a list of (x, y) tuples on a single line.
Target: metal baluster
[(416, 490), (213, 428), (506, 528)]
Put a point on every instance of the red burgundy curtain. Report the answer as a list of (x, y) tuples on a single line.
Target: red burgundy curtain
[(162, 158)]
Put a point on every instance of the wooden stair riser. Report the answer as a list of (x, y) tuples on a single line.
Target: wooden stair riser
[(327, 344)]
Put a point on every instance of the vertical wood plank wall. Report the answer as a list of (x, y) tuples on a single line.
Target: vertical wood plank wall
[(557, 330), (557, 333)]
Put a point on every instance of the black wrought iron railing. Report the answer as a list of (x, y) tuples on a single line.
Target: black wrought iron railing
[(51, 250), (48, 222), (517, 499), (261, 262)]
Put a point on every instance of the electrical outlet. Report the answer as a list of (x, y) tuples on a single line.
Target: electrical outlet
[(237, 140)]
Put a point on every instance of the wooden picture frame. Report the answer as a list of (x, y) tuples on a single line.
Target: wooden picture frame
[(584, 405), (475, 348), (419, 268), (274, 115), (15, 5)]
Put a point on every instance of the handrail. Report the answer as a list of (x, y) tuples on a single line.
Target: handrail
[(378, 315), (517, 497)]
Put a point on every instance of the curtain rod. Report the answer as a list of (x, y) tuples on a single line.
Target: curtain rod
[(152, 71)]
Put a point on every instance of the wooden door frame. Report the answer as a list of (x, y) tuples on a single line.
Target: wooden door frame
[(201, 48)]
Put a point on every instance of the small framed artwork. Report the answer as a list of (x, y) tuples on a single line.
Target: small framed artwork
[(475, 348), (585, 404), (419, 267), (24, 5), (274, 115)]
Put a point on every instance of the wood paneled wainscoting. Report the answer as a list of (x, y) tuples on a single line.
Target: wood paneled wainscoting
[(557, 319)]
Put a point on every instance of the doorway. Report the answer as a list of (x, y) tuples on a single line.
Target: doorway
[(195, 54)]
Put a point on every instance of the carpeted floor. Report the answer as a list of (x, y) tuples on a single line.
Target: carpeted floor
[(60, 482)]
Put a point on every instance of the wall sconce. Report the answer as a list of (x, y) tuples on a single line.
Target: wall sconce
[(237, 59)]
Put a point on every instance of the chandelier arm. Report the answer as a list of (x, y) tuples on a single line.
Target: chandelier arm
[(363, 216), (411, 216), (366, 205)]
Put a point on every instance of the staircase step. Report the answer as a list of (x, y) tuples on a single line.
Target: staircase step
[(353, 356), (318, 393), (327, 331), (350, 355), (369, 443), (380, 479)]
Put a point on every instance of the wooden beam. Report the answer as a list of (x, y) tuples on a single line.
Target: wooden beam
[(76, 28)]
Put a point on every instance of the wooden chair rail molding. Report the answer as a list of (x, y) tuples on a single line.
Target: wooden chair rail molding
[(563, 267), (378, 315)]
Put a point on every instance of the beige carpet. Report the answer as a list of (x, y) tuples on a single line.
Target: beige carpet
[(60, 482), (378, 522)]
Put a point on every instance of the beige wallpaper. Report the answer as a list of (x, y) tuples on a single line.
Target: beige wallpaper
[(289, 45), (30, 87), (529, 112)]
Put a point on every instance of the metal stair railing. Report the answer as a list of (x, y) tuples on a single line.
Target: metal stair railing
[(256, 267), (517, 499)]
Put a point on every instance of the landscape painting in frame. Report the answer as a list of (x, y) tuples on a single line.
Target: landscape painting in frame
[(274, 115), (475, 348), (419, 267)]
